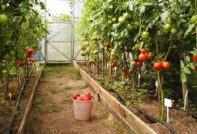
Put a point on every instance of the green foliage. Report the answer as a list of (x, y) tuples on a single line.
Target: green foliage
[(21, 26), (123, 28)]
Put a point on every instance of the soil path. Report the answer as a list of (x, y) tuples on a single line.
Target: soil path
[(52, 111)]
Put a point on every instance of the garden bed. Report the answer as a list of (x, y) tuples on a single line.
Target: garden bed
[(8, 109), (180, 122)]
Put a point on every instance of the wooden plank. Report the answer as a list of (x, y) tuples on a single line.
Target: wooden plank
[(136, 123), (23, 123)]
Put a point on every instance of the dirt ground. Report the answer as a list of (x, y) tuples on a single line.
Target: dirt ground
[(52, 111)]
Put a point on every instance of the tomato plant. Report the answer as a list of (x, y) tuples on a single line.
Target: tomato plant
[(21, 26), (131, 32)]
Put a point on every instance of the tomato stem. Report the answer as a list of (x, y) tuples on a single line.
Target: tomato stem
[(162, 94), (169, 48), (196, 37)]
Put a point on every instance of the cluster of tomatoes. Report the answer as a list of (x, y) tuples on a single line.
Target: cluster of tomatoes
[(162, 65), (195, 60), (87, 96), (29, 54), (144, 55)]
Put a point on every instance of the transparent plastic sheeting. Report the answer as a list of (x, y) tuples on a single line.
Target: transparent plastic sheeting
[(59, 43)]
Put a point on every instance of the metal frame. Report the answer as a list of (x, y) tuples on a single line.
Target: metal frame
[(72, 41)]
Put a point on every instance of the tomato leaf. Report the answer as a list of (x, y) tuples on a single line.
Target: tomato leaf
[(182, 64), (130, 5), (188, 31), (191, 65), (187, 58), (183, 78), (186, 70), (42, 5)]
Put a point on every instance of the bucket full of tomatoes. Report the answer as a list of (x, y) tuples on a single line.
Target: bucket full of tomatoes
[(82, 105)]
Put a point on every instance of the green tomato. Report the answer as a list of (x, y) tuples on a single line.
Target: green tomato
[(113, 19), (136, 25), (130, 27), (3, 19), (194, 19), (115, 26), (145, 35), (137, 46), (125, 15), (121, 20), (174, 31), (109, 22), (167, 27)]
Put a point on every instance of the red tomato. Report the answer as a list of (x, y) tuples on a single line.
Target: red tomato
[(126, 72), (79, 98), (158, 66), (88, 94), (143, 51), (142, 57), (113, 64), (30, 51), (29, 59), (85, 98), (195, 57), (75, 95), (33, 60), (166, 65), (195, 68), (20, 63), (138, 64)]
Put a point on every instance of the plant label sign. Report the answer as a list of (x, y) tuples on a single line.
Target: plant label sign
[(115, 68), (156, 84), (167, 102)]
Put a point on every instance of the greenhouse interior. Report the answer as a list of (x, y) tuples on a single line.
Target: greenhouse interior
[(98, 66)]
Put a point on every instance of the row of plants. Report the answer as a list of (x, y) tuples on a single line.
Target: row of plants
[(21, 29), (152, 42)]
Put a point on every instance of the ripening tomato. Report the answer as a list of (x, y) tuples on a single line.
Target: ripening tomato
[(195, 57), (88, 94), (195, 68), (85, 98), (143, 51), (75, 95), (33, 60), (142, 57), (158, 66), (138, 63), (79, 98), (149, 55), (20, 63), (113, 64), (30, 51), (166, 65)]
